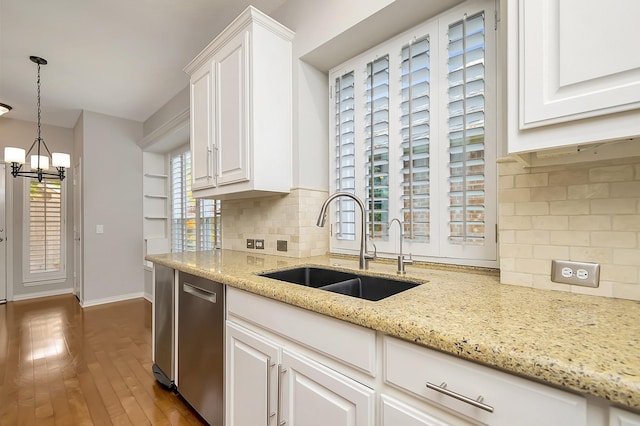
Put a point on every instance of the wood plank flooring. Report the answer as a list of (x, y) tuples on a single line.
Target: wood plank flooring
[(64, 365)]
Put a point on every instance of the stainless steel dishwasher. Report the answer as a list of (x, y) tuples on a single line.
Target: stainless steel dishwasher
[(163, 326), (201, 346)]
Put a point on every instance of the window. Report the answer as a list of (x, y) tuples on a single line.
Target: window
[(414, 134), (44, 231), (195, 223)]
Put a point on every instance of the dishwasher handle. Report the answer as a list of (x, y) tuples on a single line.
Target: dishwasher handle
[(209, 296)]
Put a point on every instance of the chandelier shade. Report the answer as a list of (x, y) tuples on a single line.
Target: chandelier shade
[(40, 158)]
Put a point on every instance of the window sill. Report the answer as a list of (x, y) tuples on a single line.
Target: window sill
[(45, 281)]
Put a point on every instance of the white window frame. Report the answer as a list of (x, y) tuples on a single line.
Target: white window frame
[(437, 249), (43, 278)]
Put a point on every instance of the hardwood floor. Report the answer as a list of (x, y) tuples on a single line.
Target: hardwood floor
[(63, 365)]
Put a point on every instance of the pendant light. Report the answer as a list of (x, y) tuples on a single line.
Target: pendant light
[(4, 108), (41, 157)]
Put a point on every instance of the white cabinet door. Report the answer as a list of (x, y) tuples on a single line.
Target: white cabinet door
[(572, 77), (202, 126), (396, 413), (232, 156), (577, 59), (251, 378), (314, 395), (619, 417)]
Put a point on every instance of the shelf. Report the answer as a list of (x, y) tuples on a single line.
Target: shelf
[(162, 197), (156, 175)]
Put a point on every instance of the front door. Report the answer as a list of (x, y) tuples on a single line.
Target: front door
[(3, 237)]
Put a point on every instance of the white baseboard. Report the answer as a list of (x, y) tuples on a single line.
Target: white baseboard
[(38, 294), (119, 298), (149, 297)]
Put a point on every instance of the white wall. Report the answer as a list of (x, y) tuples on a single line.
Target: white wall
[(112, 197), (21, 134)]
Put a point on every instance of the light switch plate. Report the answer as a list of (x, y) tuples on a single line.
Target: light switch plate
[(99, 229), (576, 273)]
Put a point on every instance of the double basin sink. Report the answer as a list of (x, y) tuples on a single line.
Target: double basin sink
[(362, 286)]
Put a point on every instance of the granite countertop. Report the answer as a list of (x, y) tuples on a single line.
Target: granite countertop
[(585, 344)]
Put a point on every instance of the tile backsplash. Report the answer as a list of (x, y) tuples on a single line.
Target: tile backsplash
[(586, 212), (583, 212), (291, 217)]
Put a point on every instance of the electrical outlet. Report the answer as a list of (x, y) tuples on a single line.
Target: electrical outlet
[(260, 244), (250, 243), (575, 273), (281, 245)]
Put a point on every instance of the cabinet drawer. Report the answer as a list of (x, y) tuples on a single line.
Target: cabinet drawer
[(513, 400), (347, 343)]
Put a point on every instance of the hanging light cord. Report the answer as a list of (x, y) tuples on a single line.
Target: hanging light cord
[(39, 138)]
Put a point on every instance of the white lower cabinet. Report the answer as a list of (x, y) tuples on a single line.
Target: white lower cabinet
[(394, 412), (315, 395), (289, 366), (619, 417), (478, 393), (251, 385), (268, 384), (281, 368)]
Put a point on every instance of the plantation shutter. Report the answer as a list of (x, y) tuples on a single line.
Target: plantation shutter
[(45, 227), (195, 224), (209, 224), (466, 107), (415, 134), (377, 146), (345, 159)]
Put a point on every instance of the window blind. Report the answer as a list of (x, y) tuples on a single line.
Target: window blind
[(195, 223), (466, 106), (45, 227), (415, 136), (345, 168)]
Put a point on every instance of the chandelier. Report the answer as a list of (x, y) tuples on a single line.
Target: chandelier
[(41, 157)]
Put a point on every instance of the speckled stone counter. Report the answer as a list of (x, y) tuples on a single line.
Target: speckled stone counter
[(586, 344)]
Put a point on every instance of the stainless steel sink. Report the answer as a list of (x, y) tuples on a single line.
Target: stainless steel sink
[(351, 284)]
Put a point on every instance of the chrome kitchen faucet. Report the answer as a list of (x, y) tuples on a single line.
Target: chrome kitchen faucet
[(365, 256)]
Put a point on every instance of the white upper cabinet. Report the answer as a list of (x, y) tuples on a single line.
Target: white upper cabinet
[(201, 92), (573, 74), (241, 113)]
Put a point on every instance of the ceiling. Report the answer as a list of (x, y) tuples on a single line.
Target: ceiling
[(117, 57)]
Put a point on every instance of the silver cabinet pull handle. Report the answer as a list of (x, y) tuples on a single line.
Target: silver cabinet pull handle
[(209, 160), (269, 367), (281, 371), (475, 402)]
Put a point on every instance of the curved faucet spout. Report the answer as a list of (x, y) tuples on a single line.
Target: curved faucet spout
[(401, 260), (322, 218), (395, 219)]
